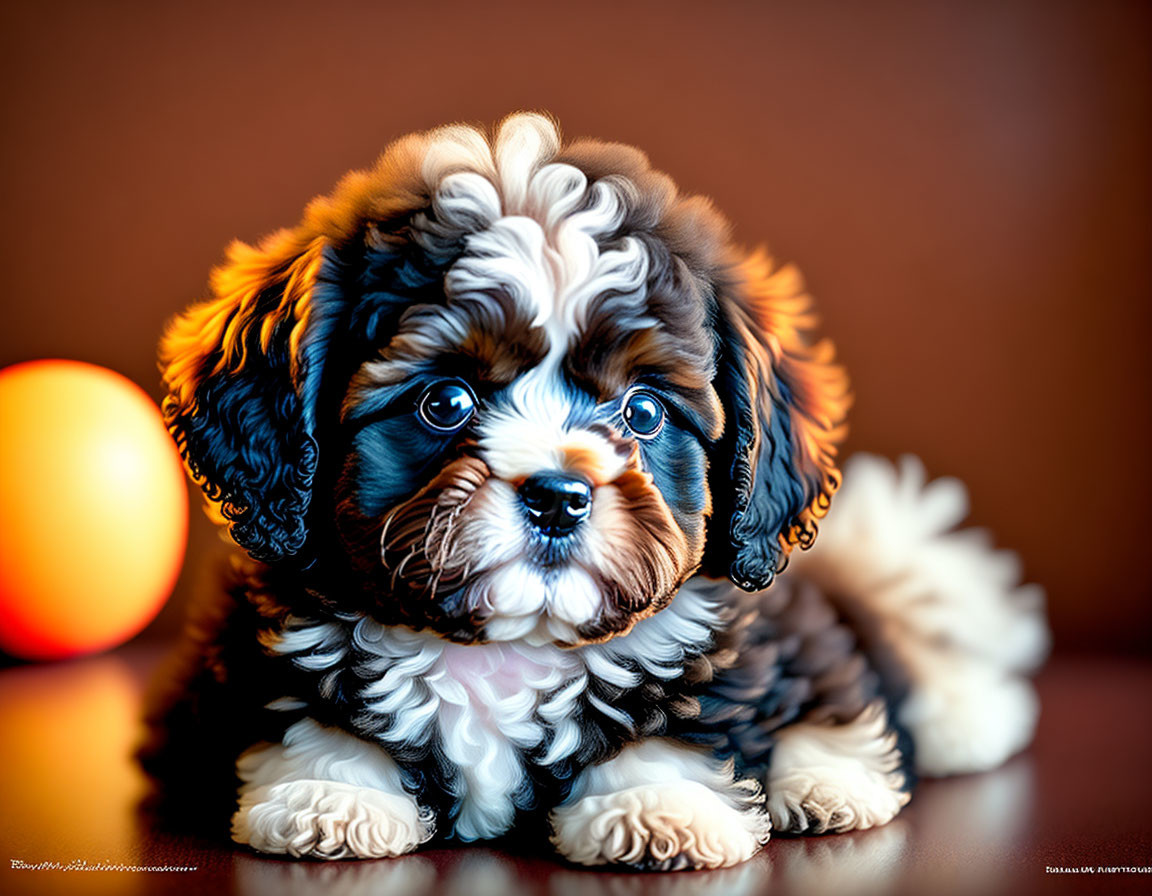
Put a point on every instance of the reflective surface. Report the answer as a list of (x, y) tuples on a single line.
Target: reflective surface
[(69, 791)]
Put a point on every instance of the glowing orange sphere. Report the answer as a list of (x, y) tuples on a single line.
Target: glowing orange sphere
[(93, 509)]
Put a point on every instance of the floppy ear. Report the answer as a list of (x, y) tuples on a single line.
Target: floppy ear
[(785, 401), (242, 371)]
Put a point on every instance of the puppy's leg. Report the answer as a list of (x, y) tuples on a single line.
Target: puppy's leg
[(663, 806), (325, 794), (828, 778)]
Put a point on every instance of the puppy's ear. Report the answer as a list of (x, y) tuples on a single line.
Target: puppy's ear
[(242, 371), (785, 402)]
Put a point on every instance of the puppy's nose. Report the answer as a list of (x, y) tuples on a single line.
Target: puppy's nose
[(556, 503)]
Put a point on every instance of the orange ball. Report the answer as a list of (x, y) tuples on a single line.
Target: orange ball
[(93, 509)]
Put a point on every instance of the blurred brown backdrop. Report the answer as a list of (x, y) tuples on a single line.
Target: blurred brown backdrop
[(965, 185)]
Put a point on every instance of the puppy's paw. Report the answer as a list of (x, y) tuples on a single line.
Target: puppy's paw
[(659, 827), (329, 820), (833, 778), (843, 800)]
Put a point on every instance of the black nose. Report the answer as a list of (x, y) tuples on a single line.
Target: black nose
[(556, 503)]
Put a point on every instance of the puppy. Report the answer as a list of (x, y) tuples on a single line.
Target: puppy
[(514, 440)]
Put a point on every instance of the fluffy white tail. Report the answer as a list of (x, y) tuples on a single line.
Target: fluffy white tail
[(941, 602)]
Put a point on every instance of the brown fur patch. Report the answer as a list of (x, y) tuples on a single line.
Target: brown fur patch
[(642, 571)]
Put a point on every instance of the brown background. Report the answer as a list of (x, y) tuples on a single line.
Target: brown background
[(965, 185)]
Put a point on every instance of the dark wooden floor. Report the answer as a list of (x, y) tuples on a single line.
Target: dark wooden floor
[(1081, 797)]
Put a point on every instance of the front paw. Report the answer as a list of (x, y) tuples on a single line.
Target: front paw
[(329, 820), (833, 778), (806, 804), (659, 827)]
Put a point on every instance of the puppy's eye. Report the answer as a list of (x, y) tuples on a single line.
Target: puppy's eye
[(447, 405), (643, 413)]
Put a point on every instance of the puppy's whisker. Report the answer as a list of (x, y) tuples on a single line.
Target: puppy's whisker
[(399, 571), (384, 528)]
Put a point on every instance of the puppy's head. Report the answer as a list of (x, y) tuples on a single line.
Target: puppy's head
[(503, 388)]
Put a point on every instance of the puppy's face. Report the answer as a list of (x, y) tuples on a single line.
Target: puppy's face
[(528, 456), (541, 387)]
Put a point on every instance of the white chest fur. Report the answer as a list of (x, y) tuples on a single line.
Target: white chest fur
[(485, 704)]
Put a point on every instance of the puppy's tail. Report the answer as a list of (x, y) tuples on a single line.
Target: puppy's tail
[(941, 611)]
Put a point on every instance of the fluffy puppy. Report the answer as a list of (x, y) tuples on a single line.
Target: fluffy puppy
[(515, 439)]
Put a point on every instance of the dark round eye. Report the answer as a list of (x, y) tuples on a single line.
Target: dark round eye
[(643, 413), (447, 405)]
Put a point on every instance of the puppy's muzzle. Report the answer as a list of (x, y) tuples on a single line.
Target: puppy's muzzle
[(556, 503)]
